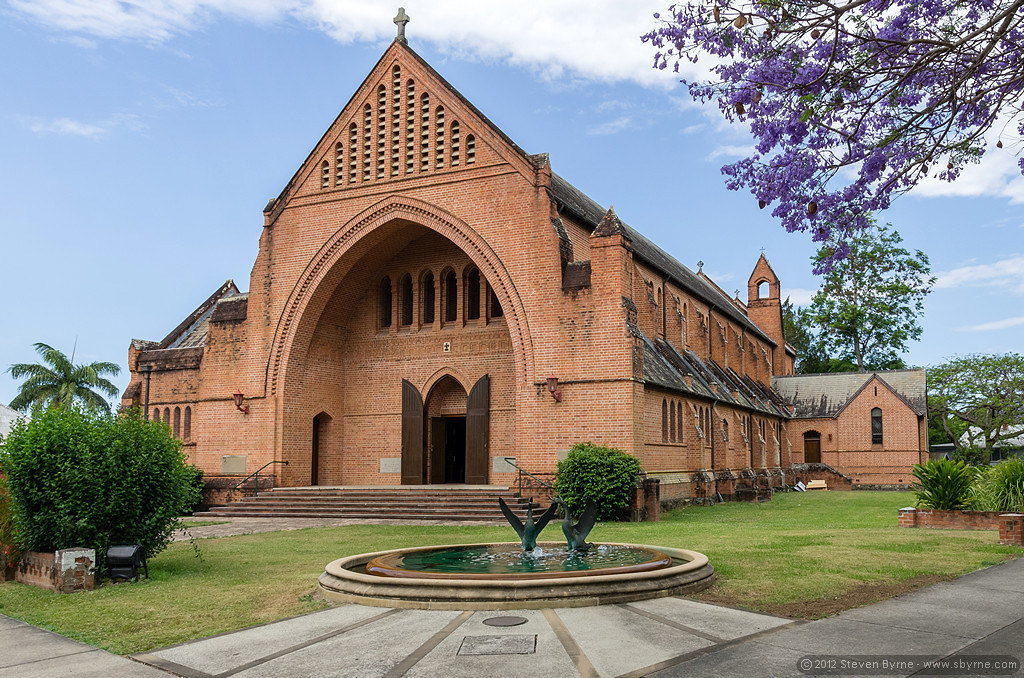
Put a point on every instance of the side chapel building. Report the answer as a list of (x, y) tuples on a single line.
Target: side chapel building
[(429, 299)]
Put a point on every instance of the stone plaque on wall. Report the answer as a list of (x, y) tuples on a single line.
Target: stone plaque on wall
[(391, 465), (500, 465), (233, 463)]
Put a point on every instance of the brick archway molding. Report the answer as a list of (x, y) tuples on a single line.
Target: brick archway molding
[(318, 281)]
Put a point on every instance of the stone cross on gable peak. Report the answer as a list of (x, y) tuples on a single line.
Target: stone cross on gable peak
[(401, 20)]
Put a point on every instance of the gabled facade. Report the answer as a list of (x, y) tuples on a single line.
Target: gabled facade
[(423, 290), (871, 426)]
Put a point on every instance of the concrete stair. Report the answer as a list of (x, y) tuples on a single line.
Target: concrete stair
[(406, 502)]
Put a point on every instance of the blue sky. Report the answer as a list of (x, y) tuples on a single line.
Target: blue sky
[(141, 143)]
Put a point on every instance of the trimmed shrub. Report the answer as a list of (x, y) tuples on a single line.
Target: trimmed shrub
[(605, 474), (1000, 487), (93, 480), (944, 484)]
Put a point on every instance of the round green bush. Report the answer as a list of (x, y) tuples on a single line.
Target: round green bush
[(605, 474), (93, 480), (1000, 487)]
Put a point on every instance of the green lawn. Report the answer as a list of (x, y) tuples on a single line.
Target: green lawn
[(802, 554)]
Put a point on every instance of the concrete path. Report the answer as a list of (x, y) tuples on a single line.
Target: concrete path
[(977, 617)]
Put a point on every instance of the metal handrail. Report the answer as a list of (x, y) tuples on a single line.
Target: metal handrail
[(256, 490), (519, 478)]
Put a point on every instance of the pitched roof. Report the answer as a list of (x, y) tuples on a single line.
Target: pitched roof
[(592, 213), (666, 366), (827, 395), (191, 332)]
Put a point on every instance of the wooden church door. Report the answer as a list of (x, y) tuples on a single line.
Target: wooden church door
[(412, 434), (477, 427)]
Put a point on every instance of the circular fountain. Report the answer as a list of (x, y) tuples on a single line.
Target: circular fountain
[(504, 576)]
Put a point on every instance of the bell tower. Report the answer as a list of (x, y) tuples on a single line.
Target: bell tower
[(764, 305)]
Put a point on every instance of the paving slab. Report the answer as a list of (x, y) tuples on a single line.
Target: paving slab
[(549, 659), (231, 650), (977, 609), (369, 651), (722, 622), (617, 641), (839, 636), (751, 659), (28, 651)]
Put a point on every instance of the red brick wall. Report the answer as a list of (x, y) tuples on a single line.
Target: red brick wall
[(949, 520)]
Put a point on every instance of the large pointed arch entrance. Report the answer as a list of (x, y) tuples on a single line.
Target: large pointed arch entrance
[(407, 304)]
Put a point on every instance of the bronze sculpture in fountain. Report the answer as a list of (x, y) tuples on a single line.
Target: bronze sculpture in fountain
[(576, 533), (529, 530)]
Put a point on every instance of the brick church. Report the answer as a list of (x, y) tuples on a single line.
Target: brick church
[(429, 300)]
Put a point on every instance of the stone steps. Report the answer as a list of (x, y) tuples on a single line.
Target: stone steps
[(446, 503)]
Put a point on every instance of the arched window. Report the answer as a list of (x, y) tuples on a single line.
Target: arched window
[(679, 417), (725, 430), (167, 416), (186, 433), (672, 436), (339, 164), (470, 149), (384, 302), (325, 175), (876, 426), (664, 420), (427, 290), (410, 125), (495, 306), (455, 144), (439, 134), (382, 118), (762, 289), (473, 294), (451, 297), (156, 414), (425, 132), (396, 119), (353, 146), (405, 290), (177, 422), (367, 134)]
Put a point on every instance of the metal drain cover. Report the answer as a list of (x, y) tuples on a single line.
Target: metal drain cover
[(505, 621)]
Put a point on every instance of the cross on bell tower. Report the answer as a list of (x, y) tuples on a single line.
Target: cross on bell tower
[(401, 20)]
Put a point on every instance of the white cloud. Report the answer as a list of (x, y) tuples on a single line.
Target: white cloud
[(730, 152), (596, 40), (1008, 273), (799, 297), (997, 175), (612, 126), (90, 130), (67, 126), (996, 325)]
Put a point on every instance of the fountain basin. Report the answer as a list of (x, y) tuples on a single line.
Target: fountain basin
[(347, 580)]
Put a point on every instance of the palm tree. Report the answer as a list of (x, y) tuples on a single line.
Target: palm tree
[(60, 382)]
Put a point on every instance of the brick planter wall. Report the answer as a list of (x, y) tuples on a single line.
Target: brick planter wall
[(64, 571), (219, 489), (1010, 525)]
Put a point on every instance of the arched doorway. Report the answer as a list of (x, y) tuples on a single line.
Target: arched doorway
[(321, 424), (446, 432), (812, 447)]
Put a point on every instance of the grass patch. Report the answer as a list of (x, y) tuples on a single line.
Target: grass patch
[(802, 554)]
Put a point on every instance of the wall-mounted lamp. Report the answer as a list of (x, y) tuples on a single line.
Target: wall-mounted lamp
[(239, 397), (554, 390)]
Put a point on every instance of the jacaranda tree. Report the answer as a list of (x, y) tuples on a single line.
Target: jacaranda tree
[(851, 104)]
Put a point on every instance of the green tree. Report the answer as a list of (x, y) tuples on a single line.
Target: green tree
[(93, 479), (60, 382), (867, 308), (811, 353), (978, 399)]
